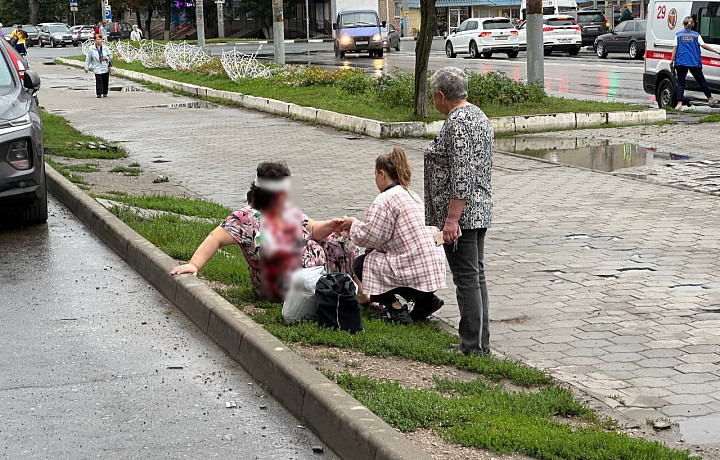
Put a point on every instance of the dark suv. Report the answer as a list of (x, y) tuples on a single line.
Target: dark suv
[(118, 30), (22, 167), (592, 24)]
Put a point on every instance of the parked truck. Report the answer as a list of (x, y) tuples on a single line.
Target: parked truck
[(356, 27)]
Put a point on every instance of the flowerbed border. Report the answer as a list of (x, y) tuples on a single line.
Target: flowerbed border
[(381, 129)]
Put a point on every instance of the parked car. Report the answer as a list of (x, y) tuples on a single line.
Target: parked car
[(628, 37), (7, 30), (118, 30), (19, 62), (55, 34), (358, 31), (22, 167), (616, 12), (560, 33), (593, 23), (391, 37), (483, 37), (33, 35)]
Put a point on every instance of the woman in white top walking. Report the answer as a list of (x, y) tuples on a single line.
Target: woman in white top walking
[(99, 58)]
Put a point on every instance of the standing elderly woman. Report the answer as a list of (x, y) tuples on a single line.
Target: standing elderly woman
[(275, 237), (458, 199)]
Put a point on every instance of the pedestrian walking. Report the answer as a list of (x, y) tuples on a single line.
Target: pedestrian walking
[(99, 58), (458, 199), (136, 34), (17, 38), (103, 31), (402, 29), (626, 14), (686, 57)]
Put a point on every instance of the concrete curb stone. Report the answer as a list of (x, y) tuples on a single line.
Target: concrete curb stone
[(379, 129), (345, 425)]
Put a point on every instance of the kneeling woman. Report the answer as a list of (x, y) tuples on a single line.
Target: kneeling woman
[(275, 238), (404, 259)]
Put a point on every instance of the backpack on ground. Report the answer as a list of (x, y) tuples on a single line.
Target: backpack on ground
[(300, 304), (337, 303)]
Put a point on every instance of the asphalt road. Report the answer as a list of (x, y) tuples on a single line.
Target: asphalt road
[(584, 76), (95, 363)]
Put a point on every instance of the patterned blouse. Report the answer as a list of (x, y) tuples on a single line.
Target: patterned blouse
[(274, 253), (457, 166)]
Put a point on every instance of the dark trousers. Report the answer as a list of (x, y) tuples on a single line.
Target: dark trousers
[(102, 81), (388, 298), (697, 74), (467, 265)]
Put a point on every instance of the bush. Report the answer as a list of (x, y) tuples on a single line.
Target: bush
[(497, 88), (397, 89), (357, 83)]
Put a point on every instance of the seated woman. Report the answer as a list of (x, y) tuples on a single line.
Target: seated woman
[(275, 237), (404, 259)]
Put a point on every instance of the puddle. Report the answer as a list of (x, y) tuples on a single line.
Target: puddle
[(598, 154), (701, 430), (185, 105), (688, 287)]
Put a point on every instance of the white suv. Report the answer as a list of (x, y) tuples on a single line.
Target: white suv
[(483, 37), (560, 33)]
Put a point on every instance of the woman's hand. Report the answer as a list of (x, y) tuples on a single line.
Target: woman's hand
[(183, 269), (450, 231), (347, 223), (337, 224)]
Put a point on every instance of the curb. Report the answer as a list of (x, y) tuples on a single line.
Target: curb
[(338, 419), (381, 129)]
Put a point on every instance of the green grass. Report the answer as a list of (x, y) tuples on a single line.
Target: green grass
[(65, 171), (126, 171), (184, 206), (334, 98), (86, 168), (488, 417), (59, 137), (134, 164), (714, 118)]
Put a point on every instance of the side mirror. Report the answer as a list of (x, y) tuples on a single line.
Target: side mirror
[(31, 81), (384, 23), (334, 25)]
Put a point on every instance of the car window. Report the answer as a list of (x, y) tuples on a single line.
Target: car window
[(497, 24), (560, 21), (629, 27), (472, 25), (590, 17), (641, 25), (58, 29), (463, 27), (360, 19), (6, 78), (547, 10), (29, 28), (621, 27), (709, 22)]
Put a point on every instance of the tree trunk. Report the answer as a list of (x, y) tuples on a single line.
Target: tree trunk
[(148, 20), (422, 56), (168, 20), (33, 11), (138, 20)]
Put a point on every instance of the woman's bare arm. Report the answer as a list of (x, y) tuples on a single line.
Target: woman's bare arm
[(217, 239)]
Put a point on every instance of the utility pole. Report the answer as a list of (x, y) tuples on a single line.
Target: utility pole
[(307, 18), (609, 14), (221, 17), (279, 31), (535, 48), (200, 22), (405, 17)]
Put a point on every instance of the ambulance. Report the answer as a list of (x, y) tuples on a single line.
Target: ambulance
[(665, 19)]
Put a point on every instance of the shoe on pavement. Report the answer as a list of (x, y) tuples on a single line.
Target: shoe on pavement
[(99, 96), (422, 310), (394, 315)]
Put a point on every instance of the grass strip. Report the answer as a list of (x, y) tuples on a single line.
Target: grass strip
[(126, 171), (86, 168), (488, 417), (336, 99), (65, 171), (59, 137), (714, 118), (184, 206)]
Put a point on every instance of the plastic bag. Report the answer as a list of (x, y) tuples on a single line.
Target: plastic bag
[(300, 303)]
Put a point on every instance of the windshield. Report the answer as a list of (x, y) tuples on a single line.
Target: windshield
[(591, 17), (29, 28), (6, 79), (358, 20), (58, 29), (497, 24)]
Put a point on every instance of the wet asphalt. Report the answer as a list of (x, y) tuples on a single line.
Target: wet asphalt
[(95, 363)]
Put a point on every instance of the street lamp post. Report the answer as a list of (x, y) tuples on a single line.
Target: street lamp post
[(535, 47), (221, 17), (307, 18), (279, 31), (200, 22)]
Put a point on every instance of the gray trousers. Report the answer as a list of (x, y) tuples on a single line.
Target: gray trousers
[(468, 270)]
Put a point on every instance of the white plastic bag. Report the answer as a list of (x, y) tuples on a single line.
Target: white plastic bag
[(300, 303)]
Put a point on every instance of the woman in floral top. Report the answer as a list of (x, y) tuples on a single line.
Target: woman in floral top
[(275, 237)]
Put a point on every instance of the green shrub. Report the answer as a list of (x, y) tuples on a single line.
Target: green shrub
[(357, 83), (397, 89), (498, 88)]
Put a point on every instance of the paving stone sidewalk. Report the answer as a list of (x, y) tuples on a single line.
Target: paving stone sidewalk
[(608, 283)]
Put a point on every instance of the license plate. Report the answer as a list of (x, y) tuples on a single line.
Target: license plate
[(564, 40), (361, 43), (501, 38), (594, 29)]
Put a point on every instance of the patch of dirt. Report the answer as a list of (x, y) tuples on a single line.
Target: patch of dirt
[(409, 374), (440, 449)]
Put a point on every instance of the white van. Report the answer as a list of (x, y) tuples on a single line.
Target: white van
[(664, 21), (551, 7)]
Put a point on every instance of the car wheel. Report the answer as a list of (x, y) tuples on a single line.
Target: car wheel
[(474, 54), (379, 53), (75, 45), (42, 45), (449, 51), (547, 51), (634, 51), (600, 50), (486, 55), (666, 95), (37, 212), (52, 43), (512, 54), (574, 51)]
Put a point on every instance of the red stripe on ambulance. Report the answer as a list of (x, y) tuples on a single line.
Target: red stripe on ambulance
[(711, 61), (660, 55)]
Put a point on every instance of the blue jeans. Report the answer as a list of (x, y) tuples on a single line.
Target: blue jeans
[(468, 269), (697, 74)]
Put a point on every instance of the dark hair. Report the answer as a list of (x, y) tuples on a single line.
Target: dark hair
[(396, 165), (262, 199)]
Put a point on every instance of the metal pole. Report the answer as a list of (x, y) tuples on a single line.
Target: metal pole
[(535, 48), (609, 14), (307, 18), (200, 22), (279, 31), (221, 17), (406, 17)]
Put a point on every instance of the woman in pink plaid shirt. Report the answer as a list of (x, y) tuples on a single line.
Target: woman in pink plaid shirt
[(404, 260)]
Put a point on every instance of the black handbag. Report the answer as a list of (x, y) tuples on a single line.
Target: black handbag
[(337, 302)]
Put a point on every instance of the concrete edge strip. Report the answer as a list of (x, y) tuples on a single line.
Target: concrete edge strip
[(345, 425), (380, 129)]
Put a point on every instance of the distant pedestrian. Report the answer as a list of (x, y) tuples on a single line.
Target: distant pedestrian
[(99, 58), (17, 38), (626, 13), (96, 30), (458, 199), (402, 29), (136, 34), (103, 31), (686, 57), (2, 34)]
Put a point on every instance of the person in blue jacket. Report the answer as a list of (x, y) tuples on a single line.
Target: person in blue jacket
[(686, 57)]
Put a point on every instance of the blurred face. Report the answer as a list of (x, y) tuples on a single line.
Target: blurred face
[(440, 102), (382, 180), (98, 40)]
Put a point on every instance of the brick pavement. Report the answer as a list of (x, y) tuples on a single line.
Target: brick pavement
[(608, 283)]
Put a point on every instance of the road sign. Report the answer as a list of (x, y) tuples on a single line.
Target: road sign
[(108, 12), (73, 8), (73, 2)]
